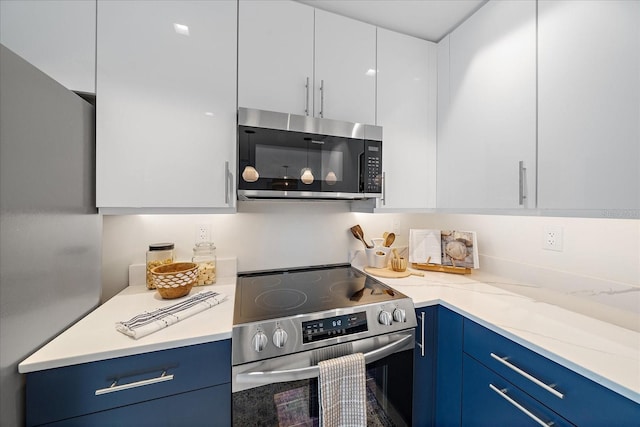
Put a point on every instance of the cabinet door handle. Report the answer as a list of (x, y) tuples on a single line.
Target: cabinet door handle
[(306, 98), (421, 343), (528, 376), (227, 183), (522, 174), (321, 98), (115, 387), (503, 393)]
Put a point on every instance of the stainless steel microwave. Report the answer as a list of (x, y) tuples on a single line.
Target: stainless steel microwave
[(299, 157)]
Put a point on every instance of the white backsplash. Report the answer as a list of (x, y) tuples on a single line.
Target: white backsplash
[(600, 258)]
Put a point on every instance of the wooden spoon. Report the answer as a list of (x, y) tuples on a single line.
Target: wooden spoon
[(357, 232), (389, 239)]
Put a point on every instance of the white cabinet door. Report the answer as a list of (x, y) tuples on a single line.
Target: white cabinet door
[(345, 55), (57, 36), (487, 109), (589, 106), (166, 111), (406, 106), (275, 59)]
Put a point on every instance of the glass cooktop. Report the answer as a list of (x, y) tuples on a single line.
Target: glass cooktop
[(284, 293)]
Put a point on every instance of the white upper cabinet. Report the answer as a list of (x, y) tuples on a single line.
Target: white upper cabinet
[(275, 62), (166, 110), (279, 71), (589, 107), (406, 107), (345, 58), (487, 109), (58, 37)]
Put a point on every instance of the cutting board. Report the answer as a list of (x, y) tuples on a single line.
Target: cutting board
[(387, 272)]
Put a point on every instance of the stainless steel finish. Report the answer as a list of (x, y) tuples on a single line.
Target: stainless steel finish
[(302, 366), (399, 315), (503, 393), (243, 348), (227, 181), (522, 173), (528, 376), (421, 343), (114, 387), (306, 98), (385, 318), (297, 123), (321, 98), (276, 194), (280, 337), (383, 197), (259, 341)]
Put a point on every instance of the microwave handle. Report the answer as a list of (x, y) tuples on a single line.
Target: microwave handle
[(269, 377)]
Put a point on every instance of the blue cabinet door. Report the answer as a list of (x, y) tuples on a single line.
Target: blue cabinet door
[(448, 394), (424, 368)]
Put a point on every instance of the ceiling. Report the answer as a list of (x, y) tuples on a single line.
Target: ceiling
[(426, 19)]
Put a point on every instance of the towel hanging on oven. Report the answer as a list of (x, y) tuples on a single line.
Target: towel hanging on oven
[(342, 392)]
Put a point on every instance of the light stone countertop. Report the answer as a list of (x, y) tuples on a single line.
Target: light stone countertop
[(601, 351)]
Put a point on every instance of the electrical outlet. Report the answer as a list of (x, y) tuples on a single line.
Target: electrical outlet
[(395, 226), (552, 239), (203, 233)]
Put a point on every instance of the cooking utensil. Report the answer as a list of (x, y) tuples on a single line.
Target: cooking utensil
[(357, 232), (389, 239)]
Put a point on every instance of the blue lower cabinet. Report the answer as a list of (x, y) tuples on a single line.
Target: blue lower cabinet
[(490, 400), (136, 387), (210, 407), (424, 368), (449, 326)]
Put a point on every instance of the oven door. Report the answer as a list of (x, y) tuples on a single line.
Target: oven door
[(283, 391)]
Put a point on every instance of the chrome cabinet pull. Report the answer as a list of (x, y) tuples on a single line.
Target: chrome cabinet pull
[(228, 182), (528, 376), (115, 387), (321, 98), (522, 173), (503, 393), (421, 343), (306, 99)]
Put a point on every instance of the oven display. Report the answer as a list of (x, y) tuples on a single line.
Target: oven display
[(317, 330)]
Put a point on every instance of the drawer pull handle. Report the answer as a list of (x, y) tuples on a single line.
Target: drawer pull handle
[(503, 393), (528, 376), (115, 387)]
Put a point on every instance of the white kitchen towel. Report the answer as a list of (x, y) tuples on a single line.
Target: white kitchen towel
[(152, 321), (342, 392)]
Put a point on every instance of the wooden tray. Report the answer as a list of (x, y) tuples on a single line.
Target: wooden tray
[(441, 268), (387, 272)]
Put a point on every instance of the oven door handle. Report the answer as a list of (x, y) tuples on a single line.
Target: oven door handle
[(269, 377)]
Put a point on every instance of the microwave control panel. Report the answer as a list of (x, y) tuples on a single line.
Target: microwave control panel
[(373, 167)]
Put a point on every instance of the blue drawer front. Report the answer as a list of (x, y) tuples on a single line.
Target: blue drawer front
[(584, 403), (57, 394), (503, 405), (210, 407)]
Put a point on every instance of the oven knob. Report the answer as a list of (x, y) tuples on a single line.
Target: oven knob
[(385, 318), (399, 315), (280, 337), (259, 341)]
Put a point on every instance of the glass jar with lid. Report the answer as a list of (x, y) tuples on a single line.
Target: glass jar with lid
[(204, 254), (158, 254)]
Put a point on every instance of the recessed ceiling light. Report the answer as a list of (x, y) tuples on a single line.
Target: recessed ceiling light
[(181, 29)]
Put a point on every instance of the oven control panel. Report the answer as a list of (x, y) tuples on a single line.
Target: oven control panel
[(330, 327)]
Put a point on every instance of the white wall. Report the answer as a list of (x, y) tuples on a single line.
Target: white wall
[(598, 253)]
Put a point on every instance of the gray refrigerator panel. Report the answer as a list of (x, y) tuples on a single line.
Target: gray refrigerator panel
[(50, 232)]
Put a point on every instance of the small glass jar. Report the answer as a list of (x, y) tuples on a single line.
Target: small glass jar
[(204, 254), (158, 254)]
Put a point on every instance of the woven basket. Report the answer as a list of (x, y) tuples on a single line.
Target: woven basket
[(174, 280)]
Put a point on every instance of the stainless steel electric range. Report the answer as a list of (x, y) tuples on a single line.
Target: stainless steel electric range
[(287, 321)]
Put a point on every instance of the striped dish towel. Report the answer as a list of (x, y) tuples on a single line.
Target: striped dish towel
[(152, 321), (342, 392)]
